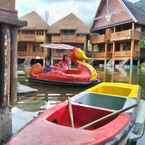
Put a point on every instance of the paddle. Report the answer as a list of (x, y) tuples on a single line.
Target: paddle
[(108, 116), (70, 112)]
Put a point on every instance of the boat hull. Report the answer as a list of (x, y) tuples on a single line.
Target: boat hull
[(53, 127), (45, 130), (62, 83)]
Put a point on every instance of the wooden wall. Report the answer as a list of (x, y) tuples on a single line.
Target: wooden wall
[(7, 4)]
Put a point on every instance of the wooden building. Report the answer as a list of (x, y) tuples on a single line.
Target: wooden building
[(31, 36), (118, 27), (8, 55), (69, 30)]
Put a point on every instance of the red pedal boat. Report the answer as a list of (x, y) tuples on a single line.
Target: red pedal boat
[(82, 74), (96, 104)]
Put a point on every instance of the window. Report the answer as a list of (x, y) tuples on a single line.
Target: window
[(126, 45), (99, 48), (22, 46), (68, 32), (35, 46)]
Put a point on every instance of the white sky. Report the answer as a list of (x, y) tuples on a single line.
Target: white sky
[(56, 9)]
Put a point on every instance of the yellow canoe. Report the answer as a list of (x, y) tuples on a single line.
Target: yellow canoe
[(114, 96), (117, 89)]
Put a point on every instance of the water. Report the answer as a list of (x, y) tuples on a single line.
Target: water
[(28, 107)]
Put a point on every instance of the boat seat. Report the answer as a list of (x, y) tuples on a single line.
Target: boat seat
[(100, 100)]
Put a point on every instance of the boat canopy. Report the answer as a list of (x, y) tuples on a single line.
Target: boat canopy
[(57, 46)]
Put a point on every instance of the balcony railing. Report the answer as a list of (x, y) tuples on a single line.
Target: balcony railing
[(22, 53), (103, 55), (126, 35), (98, 39), (33, 54), (31, 38), (122, 35), (68, 38), (124, 54)]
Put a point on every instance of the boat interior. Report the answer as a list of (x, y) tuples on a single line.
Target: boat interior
[(100, 100), (62, 116), (116, 89), (112, 90)]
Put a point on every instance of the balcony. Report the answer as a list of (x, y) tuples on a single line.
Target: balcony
[(98, 39), (123, 35), (55, 39), (126, 35), (31, 38), (137, 35), (23, 54), (103, 55), (68, 38), (40, 38), (122, 54), (81, 39)]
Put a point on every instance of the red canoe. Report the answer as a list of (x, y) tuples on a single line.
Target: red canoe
[(53, 126)]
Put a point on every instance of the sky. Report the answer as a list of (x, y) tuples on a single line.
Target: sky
[(53, 10)]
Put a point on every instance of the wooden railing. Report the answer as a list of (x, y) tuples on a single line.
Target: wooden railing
[(81, 39), (68, 38), (26, 37), (55, 39), (32, 54), (103, 54), (22, 53), (97, 39), (31, 38), (126, 35), (122, 35), (100, 54), (118, 54), (40, 38), (136, 35)]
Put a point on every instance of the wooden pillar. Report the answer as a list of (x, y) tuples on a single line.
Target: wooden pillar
[(105, 60), (138, 62), (113, 56), (86, 44), (132, 47), (2, 66), (5, 114), (13, 95), (113, 51), (93, 53), (5, 43)]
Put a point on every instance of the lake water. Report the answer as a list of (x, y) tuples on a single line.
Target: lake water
[(28, 107)]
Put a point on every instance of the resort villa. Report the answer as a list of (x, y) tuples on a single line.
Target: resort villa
[(117, 31), (31, 36), (69, 30)]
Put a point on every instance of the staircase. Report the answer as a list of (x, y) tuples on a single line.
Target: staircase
[(109, 64), (122, 63)]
